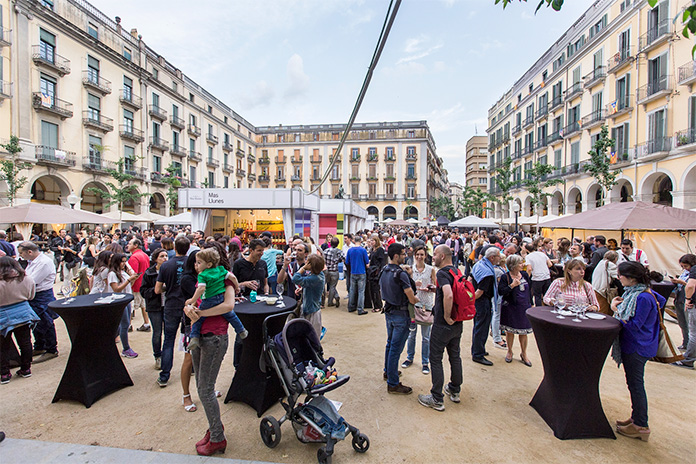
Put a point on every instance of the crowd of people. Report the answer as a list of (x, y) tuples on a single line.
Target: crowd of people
[(183, 281)]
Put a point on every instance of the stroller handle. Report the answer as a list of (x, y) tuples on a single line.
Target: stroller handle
[(265, 322)]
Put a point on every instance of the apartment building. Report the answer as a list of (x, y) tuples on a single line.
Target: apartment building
[(477, 162), (623, 65), (82, 93)]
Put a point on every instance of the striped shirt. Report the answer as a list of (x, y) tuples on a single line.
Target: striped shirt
[(573, 293)]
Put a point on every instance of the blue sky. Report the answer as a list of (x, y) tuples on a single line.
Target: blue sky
[(303, 61)]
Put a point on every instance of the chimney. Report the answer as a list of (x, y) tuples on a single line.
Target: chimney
[(118, 24), (134, 33)]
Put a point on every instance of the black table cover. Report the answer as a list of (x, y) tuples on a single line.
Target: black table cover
[(94, 368), (250, 384), (573, 355), (664, 288)]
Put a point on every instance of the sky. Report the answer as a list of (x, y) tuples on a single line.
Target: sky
[(304, 61)]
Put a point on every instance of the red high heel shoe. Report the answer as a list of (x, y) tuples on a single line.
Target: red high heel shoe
[(211, 448)]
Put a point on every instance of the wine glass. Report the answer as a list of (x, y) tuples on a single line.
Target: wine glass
[(560, 303), (280, 288), (575, 309), (66, 290)]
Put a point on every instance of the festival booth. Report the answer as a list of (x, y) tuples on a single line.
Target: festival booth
[(283, 212), (473, 222), (339, 217), (663, 232)]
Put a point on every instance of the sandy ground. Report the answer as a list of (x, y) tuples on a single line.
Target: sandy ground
[(493, 423)]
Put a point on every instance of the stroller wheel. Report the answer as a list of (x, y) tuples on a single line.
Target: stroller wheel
[(270, 431), (360, 442), (323, 457)]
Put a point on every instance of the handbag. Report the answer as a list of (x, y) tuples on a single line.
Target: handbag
[(666, 353), (423, 316), (611, 292)]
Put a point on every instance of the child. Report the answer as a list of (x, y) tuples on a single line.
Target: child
[(211, 280)]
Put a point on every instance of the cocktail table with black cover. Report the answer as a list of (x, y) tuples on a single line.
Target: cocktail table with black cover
[(250, 384), (573, 355), (94, 368)]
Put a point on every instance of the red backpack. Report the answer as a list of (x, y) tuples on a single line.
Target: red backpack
[(463, 296)]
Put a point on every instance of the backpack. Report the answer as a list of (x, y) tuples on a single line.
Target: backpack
[(463, 296)]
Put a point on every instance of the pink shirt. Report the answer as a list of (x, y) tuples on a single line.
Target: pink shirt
[(572, 292)]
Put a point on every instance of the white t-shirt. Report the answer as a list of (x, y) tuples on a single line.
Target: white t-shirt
[(113, 278), (99, 282), (540, 271), (43, 271), (636, 255)]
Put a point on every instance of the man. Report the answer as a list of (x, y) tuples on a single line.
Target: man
[(139, 262), (510, 249), (454, 243), (6, 247), (397, 293), (55, 245), (290, 266), (357, 261), (333, 256), (169, 282), (575, 251), (445, 334), (628, 253), (483, 274), (251, 269), (237, 237), (598, 253), (538, 265), (347, 245), (43, 271), (690, 294)]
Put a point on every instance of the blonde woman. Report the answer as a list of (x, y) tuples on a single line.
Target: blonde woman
[(572, 287)]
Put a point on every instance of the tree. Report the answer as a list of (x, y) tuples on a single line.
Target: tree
[(443, 206), (173, 179), (599, 166), (11, 168), (504, 182), (475, 201), (536, 181), (123, 191)]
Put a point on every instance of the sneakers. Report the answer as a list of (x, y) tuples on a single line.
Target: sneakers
[(130, 328), (323, 332), (452, 396), (244, 334), (683, 364), (161, 383), (158, 364), (45, 357), (129, 353), (400, 389), (5, 378), (143, 328), (429, 402), (406, 364), (38, 353), (24, 374), (426, 369)]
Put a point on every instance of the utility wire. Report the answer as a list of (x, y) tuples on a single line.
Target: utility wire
[(384, 34)]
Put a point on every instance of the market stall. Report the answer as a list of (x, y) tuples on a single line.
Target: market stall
[(340, 216)]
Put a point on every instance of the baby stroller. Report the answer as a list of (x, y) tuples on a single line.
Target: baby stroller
[(316, 420)]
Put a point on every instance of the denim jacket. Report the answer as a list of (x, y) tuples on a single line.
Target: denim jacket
[(313, 287), (15, 315)]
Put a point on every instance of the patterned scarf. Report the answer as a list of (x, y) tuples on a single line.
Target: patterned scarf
[(625, 310)]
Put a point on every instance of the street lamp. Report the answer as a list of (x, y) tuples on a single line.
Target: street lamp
[(73, 199), (516, 210)]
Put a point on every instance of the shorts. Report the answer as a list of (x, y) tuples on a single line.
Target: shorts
[(138, 300)]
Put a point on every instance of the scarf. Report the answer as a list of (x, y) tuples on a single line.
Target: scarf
[(483, 269), (625, 310)]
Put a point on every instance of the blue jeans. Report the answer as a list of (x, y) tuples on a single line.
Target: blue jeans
[(482, 321), (495, 321), (123, 327), (230, 317), (425, 342), (634, 366), (397, 334), (690, 353), (45, 330), (157, 323), (172, 321), (357, 292)]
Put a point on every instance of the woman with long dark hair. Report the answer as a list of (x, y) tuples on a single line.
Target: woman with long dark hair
[(118, 281), (153, 302), (378, 259), (100, 272)]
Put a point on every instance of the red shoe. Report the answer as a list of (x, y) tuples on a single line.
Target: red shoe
[(205, 439), (211, 448)]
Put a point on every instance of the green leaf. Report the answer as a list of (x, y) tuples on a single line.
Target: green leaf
[(652, 3), (685, 33)]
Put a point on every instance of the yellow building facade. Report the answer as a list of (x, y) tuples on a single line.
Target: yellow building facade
[(622, 64), (81, 93)]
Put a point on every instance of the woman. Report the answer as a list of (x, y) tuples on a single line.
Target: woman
[(90, 251), (515, 288), (311, 278), (100, 272), (153, 302), (378, 259), (602, 278), (563, 251), (119, 281), (612, 244), (424, 276), (572, 287), (547, 248), (586, 252), (189, 280), (71, 258), (686, 262), (168, 245), (235, 253), (16, 316), (637, 310)]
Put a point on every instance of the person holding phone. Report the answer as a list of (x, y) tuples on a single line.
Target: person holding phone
[(119, 281)]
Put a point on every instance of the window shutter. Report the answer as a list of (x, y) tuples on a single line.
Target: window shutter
[(93, 102), (48, 38), (92, 62)]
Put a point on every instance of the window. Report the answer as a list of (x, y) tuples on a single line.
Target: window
[(390, 153), (127, 88), (411, 170), (281, 172), (298, 171), (620, 135), (175, 111), (623, 88), (48, 89), (48, 4), (156, 131), (528, 170), (175, 87), (411, 191), (334, 136), (372, 170), (354, 153), (93, 107), (210, 129), (597, 103), (127, 53), (598, 60), (389, 189), (192, 97), (155, 73), (47, 46), (411, 151), (354, 169), (483, 181), (192, 174), (335, 171), (129, 158), (315, 136), (226, 181), (559, 62), (298, 137), (175, 140), (192, 119), (354, 190), (210, 109), (657, 74), (93, 30), (558, 125), (192, 145), (574, 114), (625, 4), (94, 153), (156, 163), (597, 28), (210, 152), (155, 100), (575, 153), (576, 46), (128, 120), (557, 159), (93, 69), (544, 75), (281, 138), (211, 179), (656, 125), (531, 88), (390, 171), (411, 134), (624, 45)]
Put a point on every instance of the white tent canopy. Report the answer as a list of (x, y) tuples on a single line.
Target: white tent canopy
[(473, 222), (182, 219)]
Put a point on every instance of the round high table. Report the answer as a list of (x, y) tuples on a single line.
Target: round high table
[(573, 355), (94, 367), (251, 385)]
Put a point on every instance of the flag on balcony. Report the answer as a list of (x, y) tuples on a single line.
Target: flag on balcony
[(560, 133), (613, 107), (613, 159), (46, 99)]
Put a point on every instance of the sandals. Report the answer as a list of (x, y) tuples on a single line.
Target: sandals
[(502, 345), (508, 359), (527, 363), (191, 407)]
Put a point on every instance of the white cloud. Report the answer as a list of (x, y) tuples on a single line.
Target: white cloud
[(262, 95), (298, 81), (417, 48)]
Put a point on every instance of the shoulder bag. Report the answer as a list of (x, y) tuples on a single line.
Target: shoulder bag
[(666, 353)]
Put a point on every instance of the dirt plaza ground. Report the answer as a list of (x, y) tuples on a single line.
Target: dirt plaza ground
[(493, 423)]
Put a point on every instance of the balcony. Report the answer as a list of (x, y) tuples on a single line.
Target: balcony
[(252, 177), (623, 159), (315, 159), (542, 112), (211, 138), (281, 160), (296, 159), (127, 98), (526, 150), (177, 122), (264, 160), (516, 155), (355, 178), (540, 144), (389, 157), (194, 156), (685, 137), (178, 151), (374, 157), (574, 91), (157, 113), (47, 58), (240, 153), (251, 158), (528, 122), (264, 178), (138, 173), (5, 90), (5, 37), (571, 129), (654, 149), (212, 163), (491, 168), (194, 130), (554, 138), (618, 61), (52, 105), (96, 164), (335, 178), (295, 178), (92, 80), (226, 146), (389, 196), (516, 129), (687, 73), (556, 173), (97, 121), (280, 179), (53, 156), (621, 106), (597, 76), (655, 36), (241, 173), (556, 102), (411, 176), (158, 143), (414, 156), (129, 133), (388, 177), (354, 158), (227, 167), (660, 87), (157, 178), (594, 119)]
